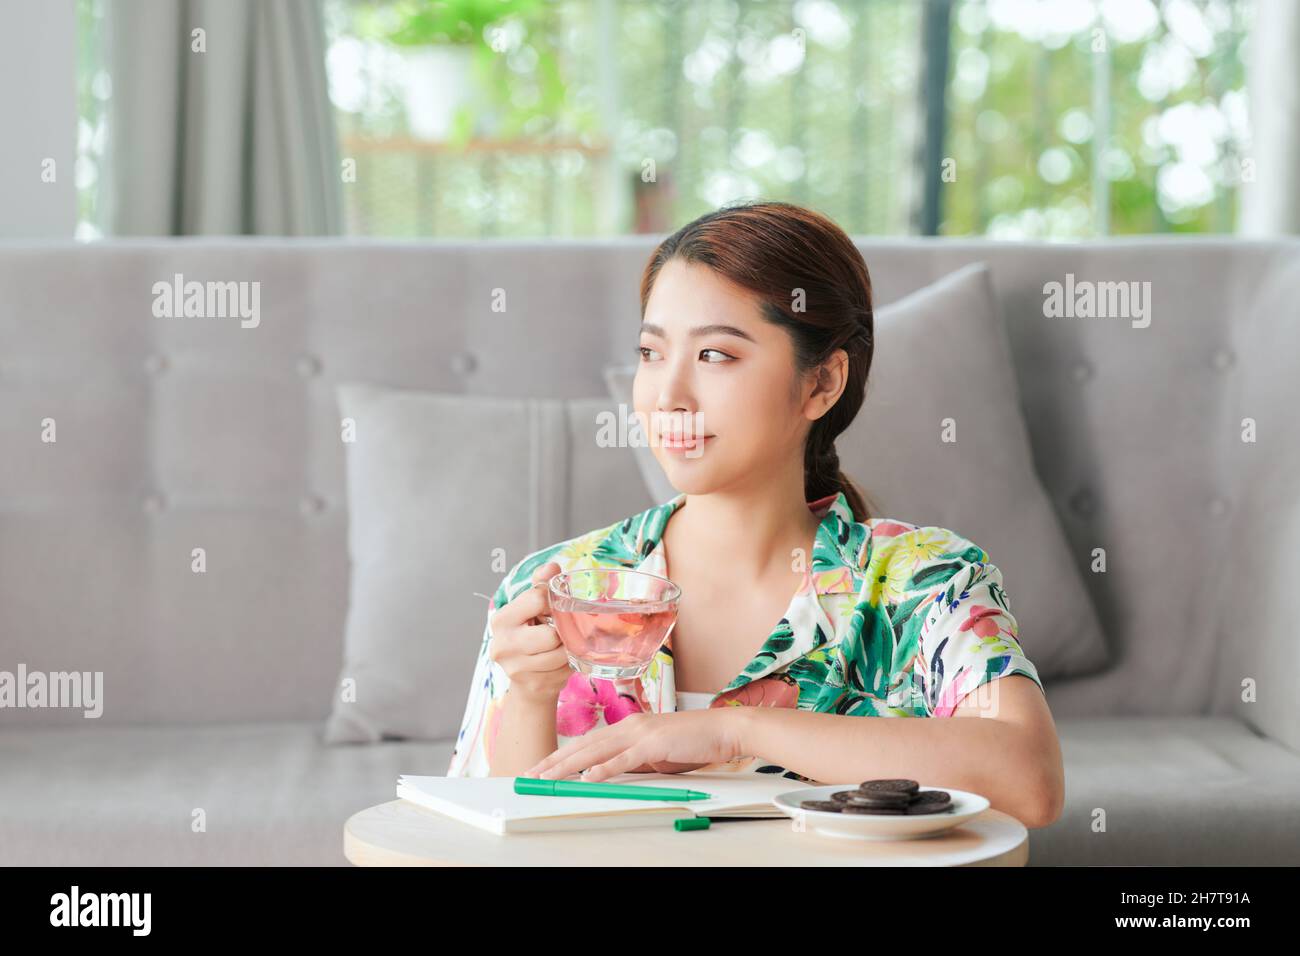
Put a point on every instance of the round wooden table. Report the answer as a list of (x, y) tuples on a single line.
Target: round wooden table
[(401, 833)]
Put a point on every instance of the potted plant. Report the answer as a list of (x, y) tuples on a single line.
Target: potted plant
[(457, 84)]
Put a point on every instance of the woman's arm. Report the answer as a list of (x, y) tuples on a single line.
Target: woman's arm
[(525, 735), (1010, 754)]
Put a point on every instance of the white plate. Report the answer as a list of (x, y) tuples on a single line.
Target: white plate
[(872, 826)]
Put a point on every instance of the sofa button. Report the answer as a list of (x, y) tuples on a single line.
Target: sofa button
[(1218, 506), (1083, 503), (464, 363), (311, 504), (308, 365), (1223, 359), (1082, 371), (155, 364), (154, 503)]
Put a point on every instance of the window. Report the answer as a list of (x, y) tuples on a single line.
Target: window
[(1078, 119), (1057, 119), (93, 91), (598, 117)]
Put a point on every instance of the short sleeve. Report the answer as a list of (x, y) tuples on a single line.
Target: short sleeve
[(472, 752), (968, 635)]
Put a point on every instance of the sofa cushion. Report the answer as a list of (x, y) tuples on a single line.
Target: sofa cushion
[(1257, 672), (941, 353), (445, 493), (1172, 791), (272, 794)]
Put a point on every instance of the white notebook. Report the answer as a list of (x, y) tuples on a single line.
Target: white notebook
[(490, 803)]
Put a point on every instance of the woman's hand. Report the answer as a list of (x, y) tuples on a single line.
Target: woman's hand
[(665, 743), (526, 648)]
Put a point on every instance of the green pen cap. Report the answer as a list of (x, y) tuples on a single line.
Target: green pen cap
[(691, 823), (545, 788)]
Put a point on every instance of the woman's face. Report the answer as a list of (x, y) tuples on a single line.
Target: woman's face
[(712, 366)]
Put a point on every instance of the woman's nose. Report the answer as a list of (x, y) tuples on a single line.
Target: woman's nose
[(674, 395)]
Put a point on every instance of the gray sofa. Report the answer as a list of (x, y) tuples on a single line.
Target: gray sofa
[(182, 433)]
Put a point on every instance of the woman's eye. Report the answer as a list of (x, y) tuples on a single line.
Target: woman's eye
[(643, 349)]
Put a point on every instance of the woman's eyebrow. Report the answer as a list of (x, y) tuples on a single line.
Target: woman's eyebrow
[(702, 330)]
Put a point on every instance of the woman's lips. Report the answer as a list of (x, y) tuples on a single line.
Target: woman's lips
[(684, 444)]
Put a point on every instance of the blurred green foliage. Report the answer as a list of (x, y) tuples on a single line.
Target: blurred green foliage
[(444, 21), (571, 103), (483, 26), (1019, 109)]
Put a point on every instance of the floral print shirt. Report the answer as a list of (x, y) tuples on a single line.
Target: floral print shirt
[(892, 620)]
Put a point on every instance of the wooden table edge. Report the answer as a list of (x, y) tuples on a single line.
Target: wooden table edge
[(360, 853)]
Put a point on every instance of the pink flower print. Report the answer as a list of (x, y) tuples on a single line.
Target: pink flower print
[(951, 697), (892, 529), (582, 701), (982, 620)]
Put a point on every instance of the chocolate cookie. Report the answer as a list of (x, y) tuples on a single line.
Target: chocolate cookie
[(932, 796), (889, 786), (885, 802), (829, 806), (930, 801), (856, 798), (880, 811)]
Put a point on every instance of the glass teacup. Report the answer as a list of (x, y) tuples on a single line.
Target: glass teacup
[(612, 621)]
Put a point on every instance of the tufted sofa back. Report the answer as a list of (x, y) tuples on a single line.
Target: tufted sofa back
[(174, 429)]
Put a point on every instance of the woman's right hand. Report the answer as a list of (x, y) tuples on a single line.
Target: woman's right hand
[(528, 649)]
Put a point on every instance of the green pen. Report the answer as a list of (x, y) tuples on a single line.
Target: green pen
[(627, 791)]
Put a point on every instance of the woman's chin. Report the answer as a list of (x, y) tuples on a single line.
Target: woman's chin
[(687, 483), (679, 461)]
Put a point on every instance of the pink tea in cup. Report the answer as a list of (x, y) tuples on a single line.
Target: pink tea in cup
[(612, 621)]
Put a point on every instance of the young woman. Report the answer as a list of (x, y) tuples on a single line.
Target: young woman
[(800, 613)]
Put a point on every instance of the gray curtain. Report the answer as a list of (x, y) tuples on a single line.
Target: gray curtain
[(1270, 205), (236, 140)]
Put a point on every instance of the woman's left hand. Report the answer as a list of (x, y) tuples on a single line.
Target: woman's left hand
[(673, 741)]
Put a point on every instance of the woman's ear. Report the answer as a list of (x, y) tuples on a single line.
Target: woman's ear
[(830, 379)]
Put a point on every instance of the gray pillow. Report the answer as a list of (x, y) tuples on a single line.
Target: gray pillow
[(942, 353), (445, 494)]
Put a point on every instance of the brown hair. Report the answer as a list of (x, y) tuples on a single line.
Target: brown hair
[(776, 251)]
